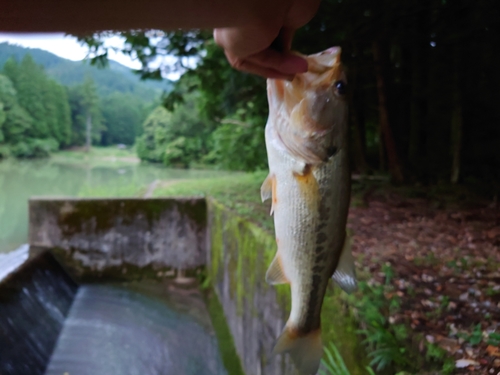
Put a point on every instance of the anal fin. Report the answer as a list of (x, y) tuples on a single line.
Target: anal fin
[(345, 274), (275, 274)]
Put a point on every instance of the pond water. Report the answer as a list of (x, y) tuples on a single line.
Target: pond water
[(20, 180)]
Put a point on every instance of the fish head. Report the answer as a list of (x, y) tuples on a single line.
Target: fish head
[(309, 113)]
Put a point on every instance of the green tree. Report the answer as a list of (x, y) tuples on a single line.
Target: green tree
[(18, 124), (151, 144), (7, 99), (63, 114), (30, 95), (123, 116), (43, 99), (83, 103)]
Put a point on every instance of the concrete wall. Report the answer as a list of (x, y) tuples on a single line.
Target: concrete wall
[(117, 237), (34, 301), (255, 312)]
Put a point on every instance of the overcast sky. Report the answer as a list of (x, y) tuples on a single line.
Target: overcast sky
[(65, 46)]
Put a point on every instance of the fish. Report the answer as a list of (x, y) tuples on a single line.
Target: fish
[(309, 186)]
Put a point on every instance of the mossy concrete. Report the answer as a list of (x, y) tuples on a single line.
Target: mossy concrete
[(240, 253), (121, 238)]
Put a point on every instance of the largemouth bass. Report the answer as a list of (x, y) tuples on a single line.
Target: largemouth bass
[(309, 184)]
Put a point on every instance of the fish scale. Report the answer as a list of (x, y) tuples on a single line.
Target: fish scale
[(307, 120)]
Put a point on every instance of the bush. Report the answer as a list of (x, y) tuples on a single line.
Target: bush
[(4, 151), (34, 148)]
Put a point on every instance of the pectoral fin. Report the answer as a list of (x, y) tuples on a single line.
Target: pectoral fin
[(345, 274), (268, 190), (275, 274)]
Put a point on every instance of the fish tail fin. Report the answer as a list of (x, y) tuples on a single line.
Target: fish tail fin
[(305, 350)]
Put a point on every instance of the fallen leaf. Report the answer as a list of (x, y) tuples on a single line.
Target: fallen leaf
[(450, 345), (462, 363), (493, 350), (492, 233)]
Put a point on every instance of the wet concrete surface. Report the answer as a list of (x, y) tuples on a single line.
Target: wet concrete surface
[(137, 328)]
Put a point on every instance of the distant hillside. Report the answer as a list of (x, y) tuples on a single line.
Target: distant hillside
[(115, 78)]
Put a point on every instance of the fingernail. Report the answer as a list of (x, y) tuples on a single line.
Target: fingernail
[(294, 65)]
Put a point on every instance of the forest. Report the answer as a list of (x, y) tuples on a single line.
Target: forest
[(423, 77), (39, 116)]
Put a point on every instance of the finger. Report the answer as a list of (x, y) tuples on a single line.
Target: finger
[(286, 35), (250, 67), (243, 42), (286, 63)]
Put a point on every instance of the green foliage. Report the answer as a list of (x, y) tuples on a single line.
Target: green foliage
[(34, 148), (334, 364), (391, 346), (7, 92), (386, 342), (176, 137), (18, 124), (238, 143), (36, 111), (151, 145), (35, 107), (475, 338), (114, 79), (30, 85), (83, 101), (494, 339), (123, 115)]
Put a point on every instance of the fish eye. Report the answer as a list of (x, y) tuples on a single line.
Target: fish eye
[(341, 87)]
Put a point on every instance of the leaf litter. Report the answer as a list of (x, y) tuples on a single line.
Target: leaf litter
[(445, 263)]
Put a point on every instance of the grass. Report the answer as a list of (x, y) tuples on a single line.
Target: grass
[(118, 191), (239, 192), (334, 364)]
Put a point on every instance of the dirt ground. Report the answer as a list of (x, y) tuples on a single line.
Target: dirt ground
[(446, 263)]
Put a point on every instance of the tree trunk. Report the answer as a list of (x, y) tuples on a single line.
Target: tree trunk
[(456, 119), (358, 151), (385, 129), (417, 104), (88, 142)]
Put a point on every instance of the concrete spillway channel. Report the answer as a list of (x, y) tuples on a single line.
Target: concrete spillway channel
[(93, 294)]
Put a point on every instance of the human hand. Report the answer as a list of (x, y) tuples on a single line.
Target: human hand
[(250, 48)]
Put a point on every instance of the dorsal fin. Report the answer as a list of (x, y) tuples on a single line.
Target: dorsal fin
[(345, 274), (275, 274)]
